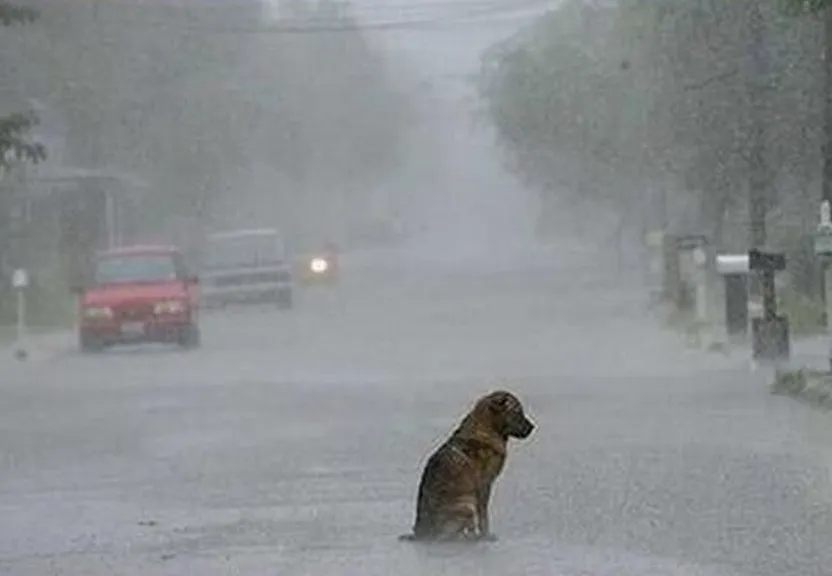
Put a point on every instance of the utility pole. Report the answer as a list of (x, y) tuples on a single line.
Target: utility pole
[(769, 330), (826, 187), (758, 180), (826, 191)]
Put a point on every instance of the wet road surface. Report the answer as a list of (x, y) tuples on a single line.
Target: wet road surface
[(292, 442)]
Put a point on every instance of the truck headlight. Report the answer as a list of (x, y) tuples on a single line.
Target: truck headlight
[(98, 312), (169, 307), (318, 265)]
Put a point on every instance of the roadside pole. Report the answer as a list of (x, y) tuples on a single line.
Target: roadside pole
[(826, 187), (823, 253), (20, 282), (770, 333), (756, 77)]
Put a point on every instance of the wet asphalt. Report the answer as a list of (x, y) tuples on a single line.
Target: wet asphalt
[(291, 442)]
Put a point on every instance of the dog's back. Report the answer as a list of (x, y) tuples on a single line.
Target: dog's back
[(446, 495)]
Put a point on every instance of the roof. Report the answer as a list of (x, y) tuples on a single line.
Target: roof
[(47, 180), (140, 249)]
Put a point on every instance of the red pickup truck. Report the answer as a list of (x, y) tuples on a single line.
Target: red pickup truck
[(139, 294)]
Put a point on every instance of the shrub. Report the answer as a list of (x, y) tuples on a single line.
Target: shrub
[(804, 313)]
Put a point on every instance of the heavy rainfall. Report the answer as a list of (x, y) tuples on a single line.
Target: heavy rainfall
[(260, 257)]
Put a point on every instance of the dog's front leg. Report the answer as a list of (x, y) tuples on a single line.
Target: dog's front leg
[(484, 525), (473, 529)]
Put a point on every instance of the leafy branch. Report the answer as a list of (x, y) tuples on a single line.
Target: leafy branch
[(796, 7), (12, 138), (14, 127), (11, 14)]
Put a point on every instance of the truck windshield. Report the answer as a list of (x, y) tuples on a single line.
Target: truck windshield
[(259, 250), (135, 268)]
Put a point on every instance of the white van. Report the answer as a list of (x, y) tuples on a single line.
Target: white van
[(249, 265)]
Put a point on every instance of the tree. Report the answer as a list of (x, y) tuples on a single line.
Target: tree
[(808, 6), (327, 118), (192, 97), (13, 128), (655, 94), (564, 110)]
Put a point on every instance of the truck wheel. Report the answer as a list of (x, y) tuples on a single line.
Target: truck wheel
[(89, 344), (284, 299)]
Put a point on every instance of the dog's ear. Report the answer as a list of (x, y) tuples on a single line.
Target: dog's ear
[(499, 403)]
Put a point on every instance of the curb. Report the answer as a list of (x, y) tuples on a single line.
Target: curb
[(38, 347), (812, 387)]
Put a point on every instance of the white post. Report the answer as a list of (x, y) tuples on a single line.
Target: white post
[(701, 260), (110, 216), (21, 315), (716, 308), (827, 282), (700, 279), (20, 281), (824, 229)]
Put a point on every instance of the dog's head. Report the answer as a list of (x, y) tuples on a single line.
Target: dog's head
[(507, 414)]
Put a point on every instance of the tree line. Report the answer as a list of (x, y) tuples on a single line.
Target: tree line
[(187, 96), (646, 107)]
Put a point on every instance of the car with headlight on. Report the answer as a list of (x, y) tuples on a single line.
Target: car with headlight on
[(320, 267), (247, 265), (138, 294)]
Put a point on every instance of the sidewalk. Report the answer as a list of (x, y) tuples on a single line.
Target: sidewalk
[(39, 346), (809, 352)]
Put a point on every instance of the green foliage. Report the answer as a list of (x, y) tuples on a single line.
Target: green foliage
[(646, 94), (13, 128), (791, 383), (806, 6), (12, 138), (573, 104), (809, 386), (187, 99), (13, 14), (804, 313)]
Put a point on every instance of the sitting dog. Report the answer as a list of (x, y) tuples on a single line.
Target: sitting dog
[(456, 483)]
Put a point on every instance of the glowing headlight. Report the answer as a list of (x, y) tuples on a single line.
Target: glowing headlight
[(169, 307), (98, 312), (318, 265)]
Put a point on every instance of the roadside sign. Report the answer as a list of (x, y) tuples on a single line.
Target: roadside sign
[(20, 279)]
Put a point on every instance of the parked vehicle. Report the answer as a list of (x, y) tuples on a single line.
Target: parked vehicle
[(247, 265), (139, 294)]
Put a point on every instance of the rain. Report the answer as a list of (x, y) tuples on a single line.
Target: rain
[(258, 258)]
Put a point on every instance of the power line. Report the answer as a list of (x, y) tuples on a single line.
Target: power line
[(335, 24), (226, 6), (404, 25), (433, 8)]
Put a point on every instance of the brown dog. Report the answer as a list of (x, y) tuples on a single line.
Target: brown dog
[(456, 484)]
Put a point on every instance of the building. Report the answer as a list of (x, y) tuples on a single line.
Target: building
[(56, 215)]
